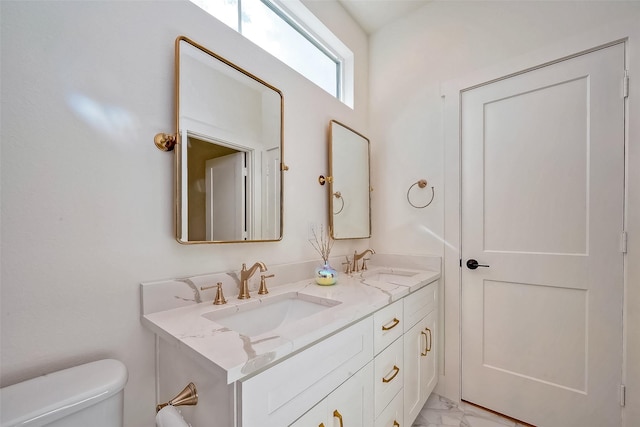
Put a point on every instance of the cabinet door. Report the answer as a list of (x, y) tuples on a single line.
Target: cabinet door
[(316, 417), (430, 361), (415, 345), (392, 415), (420, 366), (350, 405)]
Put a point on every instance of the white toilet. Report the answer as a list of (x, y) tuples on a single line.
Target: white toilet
[(82, 396)]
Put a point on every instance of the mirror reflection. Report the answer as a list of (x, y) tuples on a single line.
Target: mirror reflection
[(349, 188), (229, 151)]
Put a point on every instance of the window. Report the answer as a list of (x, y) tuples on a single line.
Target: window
[(294, 35)]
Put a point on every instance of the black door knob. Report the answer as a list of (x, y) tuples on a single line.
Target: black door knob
[(472, 264)]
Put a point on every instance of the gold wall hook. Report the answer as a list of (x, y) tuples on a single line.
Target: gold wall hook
[(322, 179), (188, 396), (165, 141)]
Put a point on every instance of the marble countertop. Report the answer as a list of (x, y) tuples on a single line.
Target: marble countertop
[(235, 356)]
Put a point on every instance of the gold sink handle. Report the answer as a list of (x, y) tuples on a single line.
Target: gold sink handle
[(263, 284), (219, 299)]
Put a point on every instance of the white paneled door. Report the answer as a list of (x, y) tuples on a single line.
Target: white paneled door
[(542, 222)]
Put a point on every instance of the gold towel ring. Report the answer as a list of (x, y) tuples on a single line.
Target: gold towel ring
[(188, 396), (338, 195), (421, 184)]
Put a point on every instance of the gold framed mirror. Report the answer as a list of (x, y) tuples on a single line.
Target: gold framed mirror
[(349, 186), (229, 151)]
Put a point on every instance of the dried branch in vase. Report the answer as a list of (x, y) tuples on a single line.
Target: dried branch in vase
[(322, 242)]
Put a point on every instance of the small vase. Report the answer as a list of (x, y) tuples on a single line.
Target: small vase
[(326, 275)]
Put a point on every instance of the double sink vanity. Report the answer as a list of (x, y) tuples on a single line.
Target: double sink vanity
[(360, 353)]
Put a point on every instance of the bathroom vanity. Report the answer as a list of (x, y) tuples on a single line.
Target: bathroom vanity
[(359, 353)]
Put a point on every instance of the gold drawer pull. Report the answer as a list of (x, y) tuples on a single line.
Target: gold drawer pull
[(394, 322), (425, 344), (388, 380), (430, 339), (396, 424), (321, 425), (337, 415)]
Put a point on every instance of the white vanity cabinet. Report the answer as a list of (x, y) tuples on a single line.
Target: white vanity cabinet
[(377, 370), (420, 350)]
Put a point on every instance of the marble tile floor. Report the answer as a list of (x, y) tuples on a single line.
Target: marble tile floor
[(442, 412)]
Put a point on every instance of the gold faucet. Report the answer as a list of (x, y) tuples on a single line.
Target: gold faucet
[(357, 257), (245, 275)]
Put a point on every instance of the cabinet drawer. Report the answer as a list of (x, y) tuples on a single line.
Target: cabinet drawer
[(419, 304), (388, 375), (279, 395), (387, 326), (392, 415)]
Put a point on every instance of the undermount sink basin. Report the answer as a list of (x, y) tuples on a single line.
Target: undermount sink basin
[(396, 277), (269, 314)]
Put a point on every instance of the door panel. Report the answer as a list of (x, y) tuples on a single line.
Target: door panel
[(225, 197), (271, 190), (558, 356), (519, 148), (542, 206)]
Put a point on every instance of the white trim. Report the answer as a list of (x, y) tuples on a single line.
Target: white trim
[(450, 381), (311, 23)]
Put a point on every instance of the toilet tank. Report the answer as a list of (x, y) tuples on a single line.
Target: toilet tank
[(82, 396)]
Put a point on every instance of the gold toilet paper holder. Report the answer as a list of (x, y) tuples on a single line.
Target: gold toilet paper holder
[(188, 396)]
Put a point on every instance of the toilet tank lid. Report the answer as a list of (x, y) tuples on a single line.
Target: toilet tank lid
[(52, 396)]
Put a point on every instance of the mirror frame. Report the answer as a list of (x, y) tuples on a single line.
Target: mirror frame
[(178, 146), (332, 179)]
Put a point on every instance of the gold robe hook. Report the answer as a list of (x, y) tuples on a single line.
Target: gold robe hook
[(165, 141)]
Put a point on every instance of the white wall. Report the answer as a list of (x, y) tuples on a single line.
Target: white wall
[(410, 58), (87, 199), (409, 61)]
